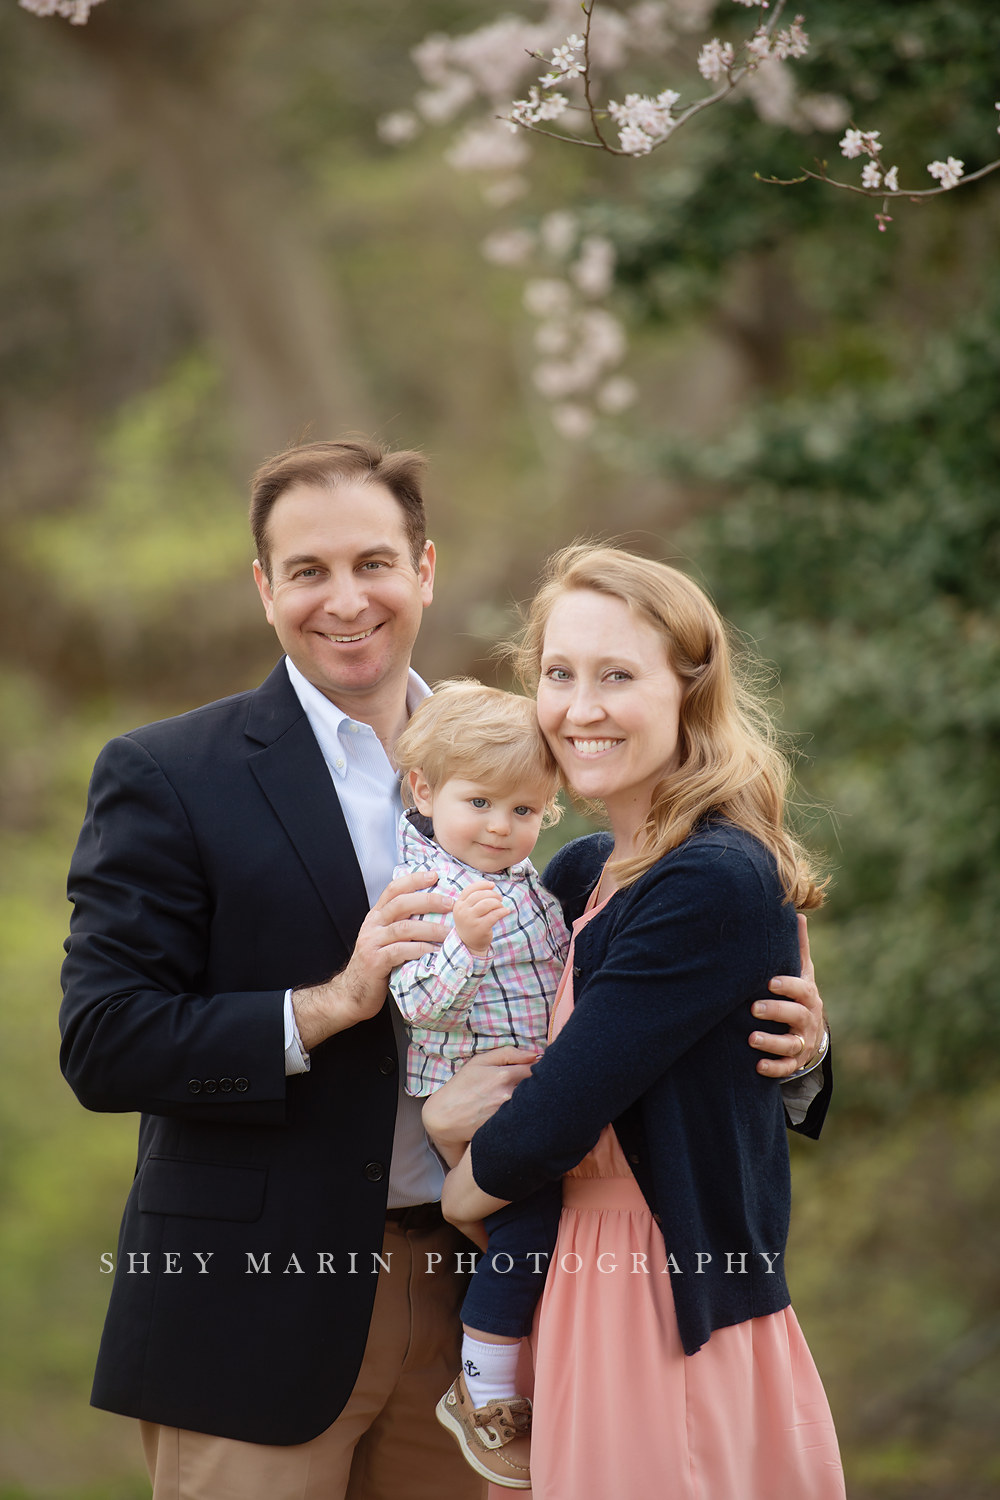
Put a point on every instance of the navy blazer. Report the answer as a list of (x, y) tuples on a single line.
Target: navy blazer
[(664, 978), (215, 870)]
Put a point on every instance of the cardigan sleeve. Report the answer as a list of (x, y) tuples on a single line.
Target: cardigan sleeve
[(690, 947), (571, 875)]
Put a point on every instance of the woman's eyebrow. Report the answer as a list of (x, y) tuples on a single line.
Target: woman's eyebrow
[(600, 661)]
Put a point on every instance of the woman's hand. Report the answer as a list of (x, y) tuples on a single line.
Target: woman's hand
[(463, 1201), (389, 935), (801, 1010), (454, 1114)]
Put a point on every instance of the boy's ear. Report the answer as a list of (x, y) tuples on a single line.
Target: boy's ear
[(421, 791)]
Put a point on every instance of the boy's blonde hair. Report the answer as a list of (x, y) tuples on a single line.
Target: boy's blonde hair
[(482, 734)]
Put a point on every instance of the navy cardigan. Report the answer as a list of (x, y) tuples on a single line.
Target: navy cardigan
[(664, 978)]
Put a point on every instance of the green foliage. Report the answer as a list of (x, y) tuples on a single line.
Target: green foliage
[(63, 1174), (893, 1258), (163, 480), (923, 73), (858, 545), (863, 556)]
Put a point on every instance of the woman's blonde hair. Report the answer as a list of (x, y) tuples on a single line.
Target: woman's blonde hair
[(728, 761), (466, 729)]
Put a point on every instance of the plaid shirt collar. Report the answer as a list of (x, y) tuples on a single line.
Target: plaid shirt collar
[(418, 846)]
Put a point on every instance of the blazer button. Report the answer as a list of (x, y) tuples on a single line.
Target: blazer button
[(210, 1085), (634, 1160), (577, 971), (194, 1087), (226, 1085), (374, 1171), (657, 1218), (387, 1065), (241, 1085)]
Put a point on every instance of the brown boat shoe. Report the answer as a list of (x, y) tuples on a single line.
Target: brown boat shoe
[(495, 1439)]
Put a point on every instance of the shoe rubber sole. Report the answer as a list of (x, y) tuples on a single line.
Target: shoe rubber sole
[(454, 1426)]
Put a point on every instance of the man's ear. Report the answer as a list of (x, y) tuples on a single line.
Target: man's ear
[(421, 791), (425, 573), (263, 583)]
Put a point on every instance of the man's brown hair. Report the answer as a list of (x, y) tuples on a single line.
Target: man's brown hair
[(324, 464)]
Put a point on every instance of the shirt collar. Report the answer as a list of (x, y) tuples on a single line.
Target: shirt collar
[(328, 721), (414, 845)]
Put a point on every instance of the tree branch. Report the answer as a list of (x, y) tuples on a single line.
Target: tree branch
[(849, 187)]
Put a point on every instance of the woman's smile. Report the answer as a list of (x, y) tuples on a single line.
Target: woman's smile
[(592, 748)]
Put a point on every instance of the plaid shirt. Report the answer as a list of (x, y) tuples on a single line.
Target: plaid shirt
[(457, 1003)]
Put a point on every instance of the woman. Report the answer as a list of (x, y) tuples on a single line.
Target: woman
[(668, 1361)]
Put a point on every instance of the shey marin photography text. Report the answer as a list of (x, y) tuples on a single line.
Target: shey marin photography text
[(356, 1263)]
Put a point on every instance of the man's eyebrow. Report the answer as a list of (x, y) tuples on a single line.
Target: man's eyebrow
[(309, 559), (384, 549)]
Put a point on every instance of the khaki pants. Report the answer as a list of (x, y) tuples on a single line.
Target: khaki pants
[(386, 1443)]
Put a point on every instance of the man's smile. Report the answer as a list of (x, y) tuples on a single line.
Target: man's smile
[(344, 640)]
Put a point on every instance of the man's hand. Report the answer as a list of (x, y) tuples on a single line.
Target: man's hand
[(389, 936), (477, 911), (454, 1114), (801, 1010)]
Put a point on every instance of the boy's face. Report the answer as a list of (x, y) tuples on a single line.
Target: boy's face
[(482, 827)]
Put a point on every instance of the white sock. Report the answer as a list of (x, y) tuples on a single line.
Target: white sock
[(490, 1370)]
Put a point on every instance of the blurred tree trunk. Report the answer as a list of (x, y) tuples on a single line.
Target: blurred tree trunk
[(266, 300)]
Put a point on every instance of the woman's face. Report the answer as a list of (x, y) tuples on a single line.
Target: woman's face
[(608, 700)]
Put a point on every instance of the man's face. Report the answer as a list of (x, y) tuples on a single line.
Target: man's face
[(344, 597)]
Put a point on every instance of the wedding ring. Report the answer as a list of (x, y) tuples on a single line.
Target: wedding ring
[(802, 1045)]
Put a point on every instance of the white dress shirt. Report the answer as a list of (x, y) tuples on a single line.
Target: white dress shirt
[(368, 788)]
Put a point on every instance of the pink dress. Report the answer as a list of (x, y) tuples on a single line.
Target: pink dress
[(620, 1411)]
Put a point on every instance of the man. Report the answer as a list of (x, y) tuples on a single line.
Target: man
[(284, 1313)]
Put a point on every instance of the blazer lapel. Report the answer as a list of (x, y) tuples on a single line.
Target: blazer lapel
[(294, 778)]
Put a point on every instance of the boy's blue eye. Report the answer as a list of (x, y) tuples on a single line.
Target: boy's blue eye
[(479, 802), (523, 812)]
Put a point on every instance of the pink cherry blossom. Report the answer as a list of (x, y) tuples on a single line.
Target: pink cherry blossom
[(792, 43), (715, 59), (947, 172), (74, 11), (759, 45), (860, 143)]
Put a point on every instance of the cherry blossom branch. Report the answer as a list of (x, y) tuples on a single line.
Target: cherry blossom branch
[(913, 194), (588, 10), (879, 182), (645, 123)]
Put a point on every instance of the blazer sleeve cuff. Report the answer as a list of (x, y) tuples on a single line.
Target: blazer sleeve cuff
[(225, 1060)]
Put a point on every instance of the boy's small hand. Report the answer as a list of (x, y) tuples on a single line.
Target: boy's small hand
[(476, 912)]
